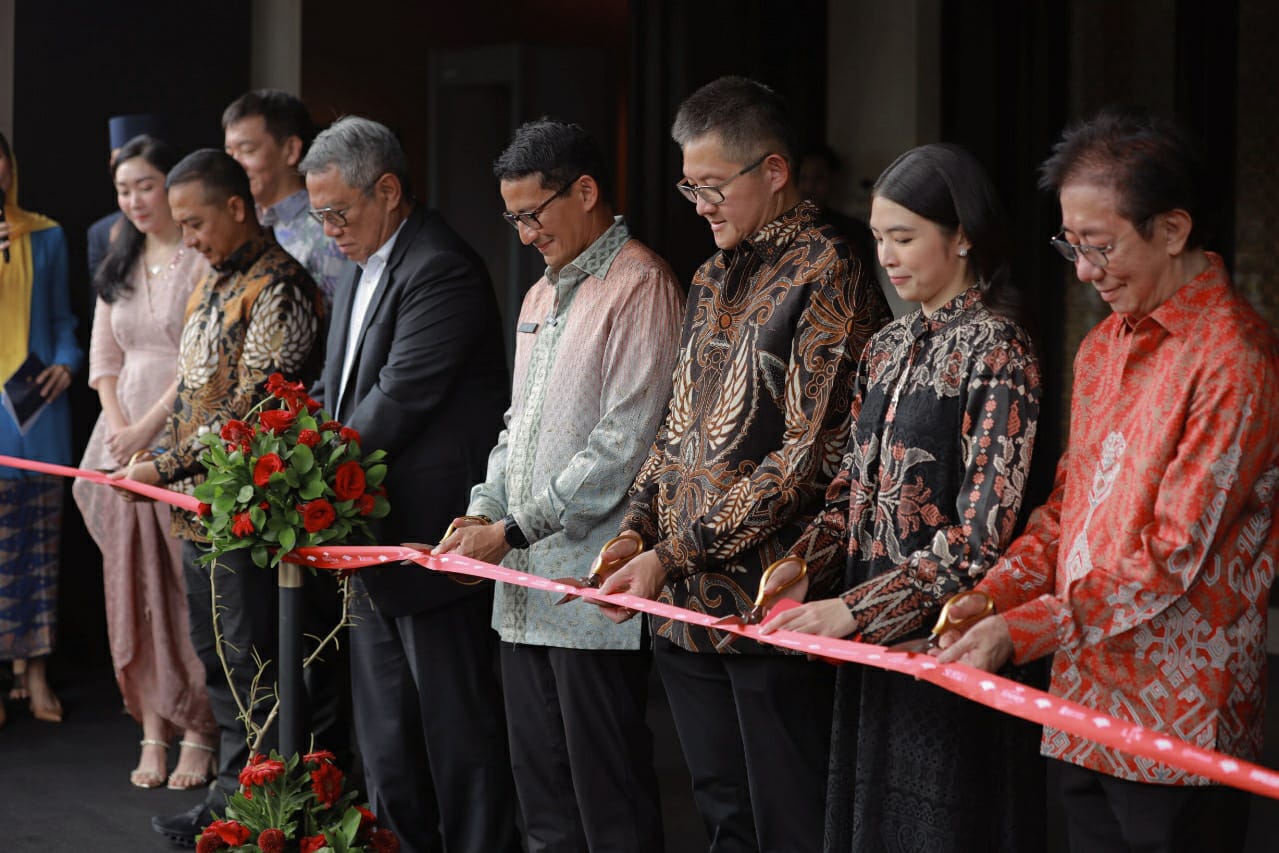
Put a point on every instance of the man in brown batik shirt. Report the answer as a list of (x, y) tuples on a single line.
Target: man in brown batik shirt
[(757, 425)]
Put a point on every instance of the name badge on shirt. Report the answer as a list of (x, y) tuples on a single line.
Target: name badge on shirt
[(528, 328)]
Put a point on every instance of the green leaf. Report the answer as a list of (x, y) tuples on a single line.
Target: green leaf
[(258, 517), (244, 495), (223, 503), (302, 459), (204, 492), (375, 456), (375, 475), (313, 488), (288, 536), (381, 509), (291, 477), (260, 556)]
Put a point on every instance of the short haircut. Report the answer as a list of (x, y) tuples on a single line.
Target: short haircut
[(217, 171), (283, 114), (557, 152), (749, 118), (946, 185), (362, 151), (1152, 164)]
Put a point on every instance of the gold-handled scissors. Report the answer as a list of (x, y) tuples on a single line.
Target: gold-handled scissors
[(780, 576), (465, 580), (947, 622), (602, 568)]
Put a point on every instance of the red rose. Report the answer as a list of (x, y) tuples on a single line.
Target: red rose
[(330, 426), (232, 834), (242, 525), (317, 515), (265, 467), (367, 818), (261, 771), (202, 510), (238, 432), (271, 840), (312, 406), (366, 504), (319, 756), (292, 393), (348, 434), (309, 437), (208, 843), (348, 480), (384, 841), (326, 782), (277, 420), (312, 843)]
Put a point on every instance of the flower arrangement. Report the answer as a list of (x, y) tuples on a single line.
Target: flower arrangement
[(295, 806), (287, 477)]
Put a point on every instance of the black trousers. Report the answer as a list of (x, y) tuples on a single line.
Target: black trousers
[(581, 751), (429, 723), (248, 617), (1104, 814), (755, 731)]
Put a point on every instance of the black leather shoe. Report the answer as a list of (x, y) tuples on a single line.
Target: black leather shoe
[(182, 829)]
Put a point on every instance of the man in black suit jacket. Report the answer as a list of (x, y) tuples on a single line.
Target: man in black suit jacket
[(415, 364)]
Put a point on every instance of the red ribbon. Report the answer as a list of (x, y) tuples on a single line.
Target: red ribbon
[(993, 691)]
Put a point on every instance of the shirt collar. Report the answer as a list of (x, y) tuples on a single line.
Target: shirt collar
[(379, 259), (1180, 313), (285, 210), (247, 254), (946, 314), (597, 258), (773, 239)]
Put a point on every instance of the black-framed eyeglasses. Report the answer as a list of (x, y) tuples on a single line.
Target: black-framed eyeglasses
[(529, 218), (329, 216), (713, 194), (1095, 255)]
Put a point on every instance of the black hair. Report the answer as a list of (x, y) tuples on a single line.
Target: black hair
[(1151, 163), (749, 118), (946, 185), (221, 177), (111, 278), (557, 152), (283, 114)]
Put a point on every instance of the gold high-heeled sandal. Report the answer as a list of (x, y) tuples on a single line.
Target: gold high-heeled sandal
[(148, 778), (184, 780)]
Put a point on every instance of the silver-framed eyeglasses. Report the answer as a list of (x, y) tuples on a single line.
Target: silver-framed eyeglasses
[(329, 216), (1095, 255), (713, 193), (529, 218)]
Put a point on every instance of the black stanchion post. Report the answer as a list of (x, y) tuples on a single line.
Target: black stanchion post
[(292, 700)]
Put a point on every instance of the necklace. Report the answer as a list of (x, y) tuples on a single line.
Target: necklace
[(154, 269)]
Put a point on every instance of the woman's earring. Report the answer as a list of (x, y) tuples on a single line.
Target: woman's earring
[(963, 253)]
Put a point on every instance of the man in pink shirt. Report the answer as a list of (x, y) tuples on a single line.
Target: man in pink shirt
[(1147, 572)]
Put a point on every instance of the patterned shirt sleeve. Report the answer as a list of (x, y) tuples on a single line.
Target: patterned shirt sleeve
[(1001, 411), (489, 497), (1224, 450)]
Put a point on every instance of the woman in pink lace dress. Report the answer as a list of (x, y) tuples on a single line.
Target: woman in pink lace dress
[(143, 284)]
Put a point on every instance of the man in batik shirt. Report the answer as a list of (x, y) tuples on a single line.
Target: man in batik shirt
[(256, 313), (1147, 573), (594, 348), (757, 425)]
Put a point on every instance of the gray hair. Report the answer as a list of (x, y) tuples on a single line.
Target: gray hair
[(361, 150), (749, 118)]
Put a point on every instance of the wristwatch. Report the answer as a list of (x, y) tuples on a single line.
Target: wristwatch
[(514, 536)]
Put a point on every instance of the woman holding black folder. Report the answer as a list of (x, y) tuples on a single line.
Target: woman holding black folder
[(38, 351)]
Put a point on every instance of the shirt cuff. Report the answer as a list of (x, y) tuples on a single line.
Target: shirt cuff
[(1032, 627)]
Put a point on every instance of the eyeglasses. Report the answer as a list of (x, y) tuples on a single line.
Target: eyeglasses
[(1095, 255), (713, 194), (329, 216), (529, 220)]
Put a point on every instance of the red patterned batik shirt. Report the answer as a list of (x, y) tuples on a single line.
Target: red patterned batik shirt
[(758, 418), (1148, 571)]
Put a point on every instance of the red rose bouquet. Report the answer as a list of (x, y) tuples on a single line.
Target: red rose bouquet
[(287, 477), (295, 806)]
